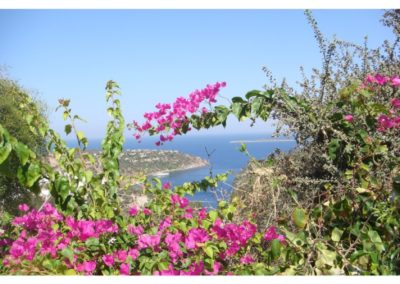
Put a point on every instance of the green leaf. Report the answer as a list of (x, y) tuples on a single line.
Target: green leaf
[(276, 248), (163, 265), (65, 115), (80, 135), (237, 110), (4, 152), (28, 174), (333, 147), (47, 264), (243, 148), (256, 105), (327, 257), (92, 242), (70, 272), (336, 234), (300, 218), (238, 100), (68, 253), (22, 152), (253, 93), (376, 239), (68, 129), (213, 215), (209, 251)]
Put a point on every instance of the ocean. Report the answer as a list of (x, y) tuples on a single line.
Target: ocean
[(218, 149)]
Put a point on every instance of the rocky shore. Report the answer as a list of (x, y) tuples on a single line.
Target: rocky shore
[(156, 162)]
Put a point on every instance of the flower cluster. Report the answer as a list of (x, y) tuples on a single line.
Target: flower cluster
[(392, 120), (382, 80), (47, 234), (384, 121), (169, 119)]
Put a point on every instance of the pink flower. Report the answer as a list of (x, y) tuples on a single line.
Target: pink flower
[(395, 81), (202, 214), (348, 117), (135, 230), (23, 207), (247, 259), (384, 122), (395, 103), (147, 211), (146, 241), (165, 223), (381, 80), (182, 201), (170, 118), (87, 266), (121, 255), (196, 236), (108, 260), (270, 234), (133, 253), (124, 269), (133, 210), (370, 79), (172, 241), (166, 185)]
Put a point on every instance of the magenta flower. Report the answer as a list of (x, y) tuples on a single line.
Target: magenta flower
[(370, 79), (135, 230), (146, 241), (133, 253), (124, 269), (202, 214), (166, 185), (349, 117), (270, 234), (133, 210), (147, 211), (169, 119), (23, 207), (108, 260), (196, 236), (395, 81), (182, 201), (381, 80), (247, 259), (172, 241), (384, 122), (165, 223), (87, 266), (395, 103), (121, 255)]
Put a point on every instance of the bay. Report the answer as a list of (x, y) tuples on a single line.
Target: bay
[(221, 150)]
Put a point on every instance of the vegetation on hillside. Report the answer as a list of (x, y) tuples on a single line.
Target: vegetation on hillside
[(12, 95)]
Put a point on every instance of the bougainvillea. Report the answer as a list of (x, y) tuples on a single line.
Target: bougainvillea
[(63, 244), (170, 119)]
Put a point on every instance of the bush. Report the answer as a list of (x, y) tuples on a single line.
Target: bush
[(11, 117)]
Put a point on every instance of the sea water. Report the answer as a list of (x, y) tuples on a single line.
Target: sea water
[(218, 149)]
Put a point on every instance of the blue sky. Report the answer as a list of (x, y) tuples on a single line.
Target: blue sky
[(158, 55)]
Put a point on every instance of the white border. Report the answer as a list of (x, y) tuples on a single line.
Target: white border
[(198, 4)]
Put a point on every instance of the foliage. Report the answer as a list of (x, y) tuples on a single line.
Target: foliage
[(167, 237), (11, 117), (346, 119), (76, 186)]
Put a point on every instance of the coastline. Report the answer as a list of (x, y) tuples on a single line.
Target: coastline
[(266, 140)]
